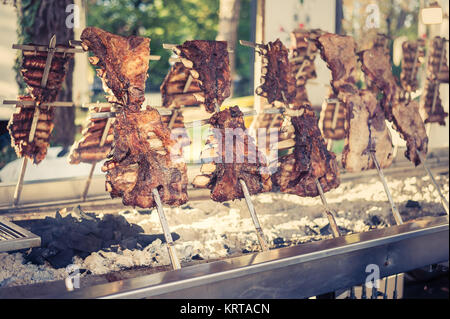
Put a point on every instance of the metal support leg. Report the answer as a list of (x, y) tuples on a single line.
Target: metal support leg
[(19, 185), (166, 231), (435, 184), (329, 213), (88, 182), (251, 208)]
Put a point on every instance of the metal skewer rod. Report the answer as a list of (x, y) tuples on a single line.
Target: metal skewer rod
[(48, 62), (328, 211), (45, 48), (162, 218), (251, 208), (19, 184), (433, 180), (395, 212), (19, 103)]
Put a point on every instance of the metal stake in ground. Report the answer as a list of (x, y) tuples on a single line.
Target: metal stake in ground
[(395, 212), (251, 208), (435, 184), (329, 213), (166, 231)]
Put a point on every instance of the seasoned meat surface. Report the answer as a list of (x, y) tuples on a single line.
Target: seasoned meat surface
[(208, 63), (310, 160), (145, 157), (19, 127), (367, 131), (233, 158), (277, 80), (95, 143), (413, 56), (122, 62)]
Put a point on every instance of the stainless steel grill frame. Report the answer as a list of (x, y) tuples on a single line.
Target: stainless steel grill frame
[(13, 237)]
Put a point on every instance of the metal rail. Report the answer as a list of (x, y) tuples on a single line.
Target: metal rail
[(292, 272)]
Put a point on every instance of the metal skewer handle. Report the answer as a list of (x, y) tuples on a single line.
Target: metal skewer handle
[(435, 184), (395, 212), (166, 231), (329, 213), (251, 208)]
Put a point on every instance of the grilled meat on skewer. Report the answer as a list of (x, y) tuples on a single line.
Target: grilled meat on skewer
[(431, 108), (208, 63), (413, 55), (276, 75), (88, 148), (367, 132), (404, 115), (122, 62), (145, 157), (310, 160), (231, 163), (333, 119), (19, 127)]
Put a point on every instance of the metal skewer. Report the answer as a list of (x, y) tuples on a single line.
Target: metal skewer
[(328, 211), (162, 218), (435, 184), (19, 185)]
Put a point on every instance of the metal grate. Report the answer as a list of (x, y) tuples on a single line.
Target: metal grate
[(13, 237)]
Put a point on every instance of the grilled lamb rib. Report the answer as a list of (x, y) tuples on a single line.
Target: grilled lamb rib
[(413, 55), (208, 63), (404, 115), (276, 75), (145, 157), (309, 162), (333, 119), (88, 148), (122, 62), (231, 163), (19, 127)]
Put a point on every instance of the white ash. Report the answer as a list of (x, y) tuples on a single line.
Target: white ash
[(211, 230)]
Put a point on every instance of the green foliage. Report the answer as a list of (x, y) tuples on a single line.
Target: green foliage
[(164, 21), (244, 55)]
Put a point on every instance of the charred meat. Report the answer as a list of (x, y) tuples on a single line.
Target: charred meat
[(413, 56), (310, 160), (208, 63), (233, 156), (145, 157), (122, 62)]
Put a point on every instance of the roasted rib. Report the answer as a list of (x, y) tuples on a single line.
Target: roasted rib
[(367, 132), (333, 119), (277, 80), (90, 149), (413, 55), (404, 115), (19, 127), (431, 108), (145, 157), (310, 160), (208, 63), (232, 158), (122, 62)]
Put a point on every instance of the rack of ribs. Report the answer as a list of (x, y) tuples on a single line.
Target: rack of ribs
[(232, 156), (21, 122), (123, 64), (96, 142), (431, 108), (277, 80), (208, 63), (310, 160), (333, 118), (404, 115), (413, 56), (303, 53), (145, 157), (19, 127)]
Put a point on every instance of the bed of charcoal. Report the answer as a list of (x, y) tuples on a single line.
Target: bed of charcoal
[(101, 244)]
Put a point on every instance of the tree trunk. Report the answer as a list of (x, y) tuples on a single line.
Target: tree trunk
[(228, 25), (50, 19)]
